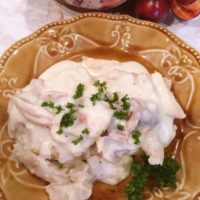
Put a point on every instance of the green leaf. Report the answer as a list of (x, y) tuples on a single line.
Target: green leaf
[(161, 176), (79, 91), (113, 100), (125, 104), (100, 85), (136, 136), (135, 188), (97, 97), (86, 131), (120, 127), (60, 165), (60, 131), (67, 120), (165, 175), (81, 106), (77, 140), (58, 109), (120, 114)]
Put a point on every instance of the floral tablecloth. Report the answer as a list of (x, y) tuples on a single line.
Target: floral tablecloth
[(19, 18)]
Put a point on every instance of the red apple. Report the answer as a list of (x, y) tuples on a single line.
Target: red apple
[(153, 10)]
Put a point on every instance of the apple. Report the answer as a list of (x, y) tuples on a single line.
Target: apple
[(153, 10)]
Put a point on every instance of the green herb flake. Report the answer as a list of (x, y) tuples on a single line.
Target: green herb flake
[(59, 131), (79, 91), (86, 131), (100, 85), (58, 109), (136, 136), (77, 140), (67, 120), (81, 106), (71, 106), (60, 165), (120, 127), (125, 104), (120, 114), (97, 97), (49, 104), (100, 95), (113, 100)]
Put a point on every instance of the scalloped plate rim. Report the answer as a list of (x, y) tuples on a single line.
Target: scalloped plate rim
[(19, 43)]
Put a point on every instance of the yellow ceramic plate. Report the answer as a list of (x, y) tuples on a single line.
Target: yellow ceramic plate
[(105, 36)]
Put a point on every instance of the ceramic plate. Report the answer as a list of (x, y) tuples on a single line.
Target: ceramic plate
[(111, 37)]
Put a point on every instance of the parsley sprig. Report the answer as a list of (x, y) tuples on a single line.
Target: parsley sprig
[(141, 171), (50, 104)]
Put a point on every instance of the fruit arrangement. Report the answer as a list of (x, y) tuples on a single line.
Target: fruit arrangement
[(153, 10), (158, 10)]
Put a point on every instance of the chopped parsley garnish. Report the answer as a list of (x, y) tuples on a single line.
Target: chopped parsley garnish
[(97, 97), (71, 106), (79, 91), (120, 127), (86, 131), (125, 104), (68, 118), (100, 85), (136, 136), (142, 172), (120, 114), (59, 131), (81, 106), (60, 165), (123, 112), (49, 104), (59, 109), (113, 100), (77, 140), (52, 105), (100, 95)]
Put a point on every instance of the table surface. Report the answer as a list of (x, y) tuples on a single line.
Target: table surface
[(19, 18)]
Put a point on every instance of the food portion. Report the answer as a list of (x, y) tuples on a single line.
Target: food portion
[(82, 122)]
